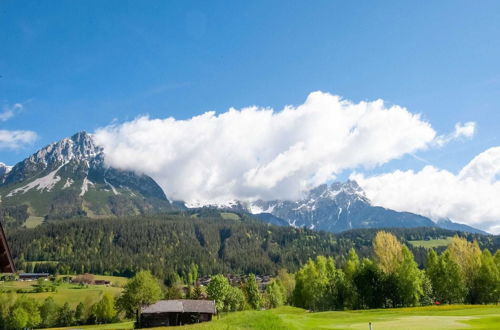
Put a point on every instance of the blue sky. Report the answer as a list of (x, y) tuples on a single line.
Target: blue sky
[(78, 66), (82, 65)]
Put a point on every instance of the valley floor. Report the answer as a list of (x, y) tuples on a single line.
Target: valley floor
[(433, 317)]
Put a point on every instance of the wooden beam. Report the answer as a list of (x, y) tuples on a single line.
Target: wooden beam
[(6, 262)]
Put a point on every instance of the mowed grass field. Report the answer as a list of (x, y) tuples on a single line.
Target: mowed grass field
[(433, 317), (432, 243), (69, 292)]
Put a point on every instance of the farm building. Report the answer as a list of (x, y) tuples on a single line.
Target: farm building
[(6, 263), (175, 312), (33, 276)]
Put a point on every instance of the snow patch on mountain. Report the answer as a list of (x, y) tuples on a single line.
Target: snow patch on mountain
[(68, 183), (4, 169), (44, 183), (111, 186), (85, 186)]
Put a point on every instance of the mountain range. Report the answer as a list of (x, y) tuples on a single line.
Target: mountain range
[(69, 178)]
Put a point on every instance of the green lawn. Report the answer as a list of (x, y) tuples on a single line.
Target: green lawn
[(433, 243), (435, 317), (432, 317)]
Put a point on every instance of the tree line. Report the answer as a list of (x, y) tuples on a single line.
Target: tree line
[(463, 273), (168, 244)]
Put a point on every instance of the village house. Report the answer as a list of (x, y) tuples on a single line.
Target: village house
[(175, 312)]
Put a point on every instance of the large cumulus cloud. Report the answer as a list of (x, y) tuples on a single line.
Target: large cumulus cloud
[(471, 196), (261, 153)]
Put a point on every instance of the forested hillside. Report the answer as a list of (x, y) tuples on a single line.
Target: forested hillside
[(169, 244)]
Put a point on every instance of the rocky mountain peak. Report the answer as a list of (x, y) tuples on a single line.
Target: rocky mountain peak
[(78, 147), (343, 194), (4, 169)]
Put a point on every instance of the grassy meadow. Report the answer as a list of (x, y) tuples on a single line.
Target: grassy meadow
[(69, 292), (432, 243), (431, 317)]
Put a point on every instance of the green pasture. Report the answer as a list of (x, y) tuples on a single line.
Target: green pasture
[(229, 216), (69, 292), (33, 222), (432, 243)]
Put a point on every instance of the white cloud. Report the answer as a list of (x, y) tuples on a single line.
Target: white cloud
[(260, 153), (466, 131), (469, 197), (9, 111), (14, 139)]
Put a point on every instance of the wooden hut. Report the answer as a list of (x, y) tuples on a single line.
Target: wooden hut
[(175, 312), (6, 263)]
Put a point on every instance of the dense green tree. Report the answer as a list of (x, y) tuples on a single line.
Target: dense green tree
[(217, 290), (176, 291), (447, 280), (48, 312), (105, 310), (19, 318), (252, 292), (192, 275), (311, 283), (486, 288), (427, 297), (369, 283), (142, 289), (234, 300), (351, 267), (65, 316), (409, 279), (288, 282), (275, 294), (80, 313), (199, 292), (7, 300), (31, 307), (467, 255)]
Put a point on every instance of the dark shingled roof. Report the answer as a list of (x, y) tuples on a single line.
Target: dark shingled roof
[(180, 306), (6, 263)]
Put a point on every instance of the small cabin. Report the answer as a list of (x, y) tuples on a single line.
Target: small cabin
[(6, 262), (175, 312)]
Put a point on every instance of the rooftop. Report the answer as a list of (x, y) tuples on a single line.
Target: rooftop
[(180, 306)]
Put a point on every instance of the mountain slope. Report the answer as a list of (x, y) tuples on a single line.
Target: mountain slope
[(336, 208), (69, 178)]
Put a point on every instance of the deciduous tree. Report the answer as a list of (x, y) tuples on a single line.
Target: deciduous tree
[(388, 251), (142, 289)]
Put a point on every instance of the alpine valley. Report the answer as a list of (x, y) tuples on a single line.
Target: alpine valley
[(69, 178)]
